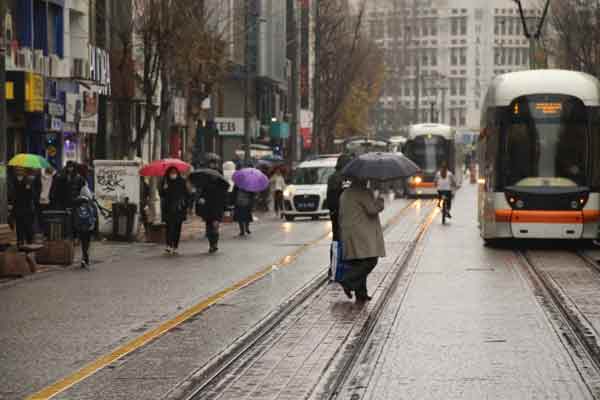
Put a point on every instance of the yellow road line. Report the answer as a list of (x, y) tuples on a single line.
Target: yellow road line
[(96, 365)]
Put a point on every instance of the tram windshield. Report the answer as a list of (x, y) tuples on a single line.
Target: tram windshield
[(546, 142), (428, 152)]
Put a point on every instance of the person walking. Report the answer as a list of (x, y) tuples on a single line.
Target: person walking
[(85, 217), (22, 198), (174, 192), (335, 187), (66, 187), (242, 213), (361, 235), (277, 183), (210, 205), (46, 178)]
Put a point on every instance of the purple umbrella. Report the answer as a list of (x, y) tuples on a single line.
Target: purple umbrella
[(251, 180)]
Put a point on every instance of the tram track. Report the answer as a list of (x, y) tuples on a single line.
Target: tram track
[(222, 371), (569, 321)]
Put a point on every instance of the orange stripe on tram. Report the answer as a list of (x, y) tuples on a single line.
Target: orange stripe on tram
[(430, 185), (591, 216), (503, 215), (547, 217)]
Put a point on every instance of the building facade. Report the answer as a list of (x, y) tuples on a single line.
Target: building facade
[(441, 56)]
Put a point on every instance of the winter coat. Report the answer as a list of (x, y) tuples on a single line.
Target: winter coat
[(361, 232), (210, 204), (23, 198), (335, 187), (174, 199), (242, 213), (65, 189)]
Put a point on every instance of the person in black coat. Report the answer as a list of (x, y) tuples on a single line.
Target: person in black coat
[(174, 193), (335, 187), (210, 205), (66, 187), (22, 197), (242, 213)]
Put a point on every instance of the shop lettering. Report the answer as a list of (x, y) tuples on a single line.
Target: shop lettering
[(226, 126)]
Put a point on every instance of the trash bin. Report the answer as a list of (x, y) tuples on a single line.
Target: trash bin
[(59, 224), (123, 216)]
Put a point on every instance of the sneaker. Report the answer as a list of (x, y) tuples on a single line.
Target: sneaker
[(169, 250), (85, 265), (213, 250), (174, 252)]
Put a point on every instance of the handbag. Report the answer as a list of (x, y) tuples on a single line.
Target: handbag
[(338, 267)]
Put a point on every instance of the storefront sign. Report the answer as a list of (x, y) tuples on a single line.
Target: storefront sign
[(230, 126), (179, 105), (89, 114), (73, 106), (56, 109), (34, 92), (10, 90), (56, 124)]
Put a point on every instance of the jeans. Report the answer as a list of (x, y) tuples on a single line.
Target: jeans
[(244, 227), (448, 194), (278, 201), (174, 232), (85, 239), (24, 225)]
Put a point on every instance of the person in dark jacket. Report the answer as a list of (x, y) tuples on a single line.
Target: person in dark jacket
[(335, 187), (212, 197), (66, 187), (22, 196), (242, 213), (174, 193), (85, 216)]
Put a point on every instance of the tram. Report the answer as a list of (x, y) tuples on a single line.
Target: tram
[(362, 145), (539, 156), (430, 146)]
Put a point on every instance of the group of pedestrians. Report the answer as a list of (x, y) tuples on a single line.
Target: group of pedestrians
[(32, 192)]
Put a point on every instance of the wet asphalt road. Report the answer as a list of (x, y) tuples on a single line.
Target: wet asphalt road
[(463, 322)]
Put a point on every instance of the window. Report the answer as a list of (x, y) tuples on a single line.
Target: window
[(503, 27), (462, 117), (434, 57), (454, 26), (425, 29), (510, 56), (453, 119), (525, 56), (517, 26), (503, 56), (425, 58), (454, 56), (496, 56), (517, 57), (463, 26), (511, 26), (463, 56), (434, 29), (453, 87), (463, 87), (496, 26)]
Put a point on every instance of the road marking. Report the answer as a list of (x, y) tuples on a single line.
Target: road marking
[(96, 365), (129, 347)]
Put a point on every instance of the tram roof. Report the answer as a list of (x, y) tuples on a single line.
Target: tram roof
[(446, 131), (507, 87)]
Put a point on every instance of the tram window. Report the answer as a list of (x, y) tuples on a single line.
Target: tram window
[(546, 144)]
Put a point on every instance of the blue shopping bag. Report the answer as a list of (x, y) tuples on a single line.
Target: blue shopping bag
[(338, 266)]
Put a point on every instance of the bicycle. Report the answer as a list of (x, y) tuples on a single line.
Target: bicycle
[(444, 197)]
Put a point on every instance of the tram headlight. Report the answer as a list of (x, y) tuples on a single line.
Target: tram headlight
[(417, 179), (520, 204)]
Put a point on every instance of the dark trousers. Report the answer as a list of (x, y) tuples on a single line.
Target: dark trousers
[(212, 232), (356, 277), (244, 227), (335, 226), (448, 194), (85, 238), (174, 232), (24, 225), (278, 201)]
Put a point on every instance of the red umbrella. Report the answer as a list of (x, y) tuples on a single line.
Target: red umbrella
[(160, 167)]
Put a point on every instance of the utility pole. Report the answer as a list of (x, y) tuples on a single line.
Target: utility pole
[(295, 90), (3, 121), (316, 81), (247, 82), (415, 25)]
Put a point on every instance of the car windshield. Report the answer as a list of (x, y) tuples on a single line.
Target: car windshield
[(546, 142), (312, 175)]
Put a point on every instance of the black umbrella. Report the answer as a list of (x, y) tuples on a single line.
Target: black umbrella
[(380, 167), (203, 176)]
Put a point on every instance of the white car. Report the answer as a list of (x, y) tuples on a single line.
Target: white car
[(306, 196)]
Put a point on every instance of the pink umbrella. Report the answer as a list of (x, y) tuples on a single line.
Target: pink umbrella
[(250, 180), (160, 167)]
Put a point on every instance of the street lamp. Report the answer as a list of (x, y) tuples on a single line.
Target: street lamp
[(532, 28)]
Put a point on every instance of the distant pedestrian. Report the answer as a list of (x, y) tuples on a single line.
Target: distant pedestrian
[(22, 198), (277, 188), (210, 205), (66, 187), (85, 218), (175, 193), (242, 213), (361, 235), (46, 178)]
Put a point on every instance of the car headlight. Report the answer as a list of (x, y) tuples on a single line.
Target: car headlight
[(287, 193)]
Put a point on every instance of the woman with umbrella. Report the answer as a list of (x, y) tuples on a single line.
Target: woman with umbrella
[(22, 198), (175, 193), (360, 228), (248, 181)]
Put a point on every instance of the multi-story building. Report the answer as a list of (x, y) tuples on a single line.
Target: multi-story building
[(441, 55), (55, 78)]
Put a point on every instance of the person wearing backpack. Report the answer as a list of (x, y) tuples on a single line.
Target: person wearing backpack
[(243, 202), (175, 195), (85, 217)]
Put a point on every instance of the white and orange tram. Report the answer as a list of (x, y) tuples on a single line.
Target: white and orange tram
[(539, 156), (431, 146)]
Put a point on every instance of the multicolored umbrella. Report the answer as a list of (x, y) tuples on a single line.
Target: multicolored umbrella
[(250, 180), (26, 160), (160, 167)]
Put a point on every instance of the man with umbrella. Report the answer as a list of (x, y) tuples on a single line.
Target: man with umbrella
[(211, 199)]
